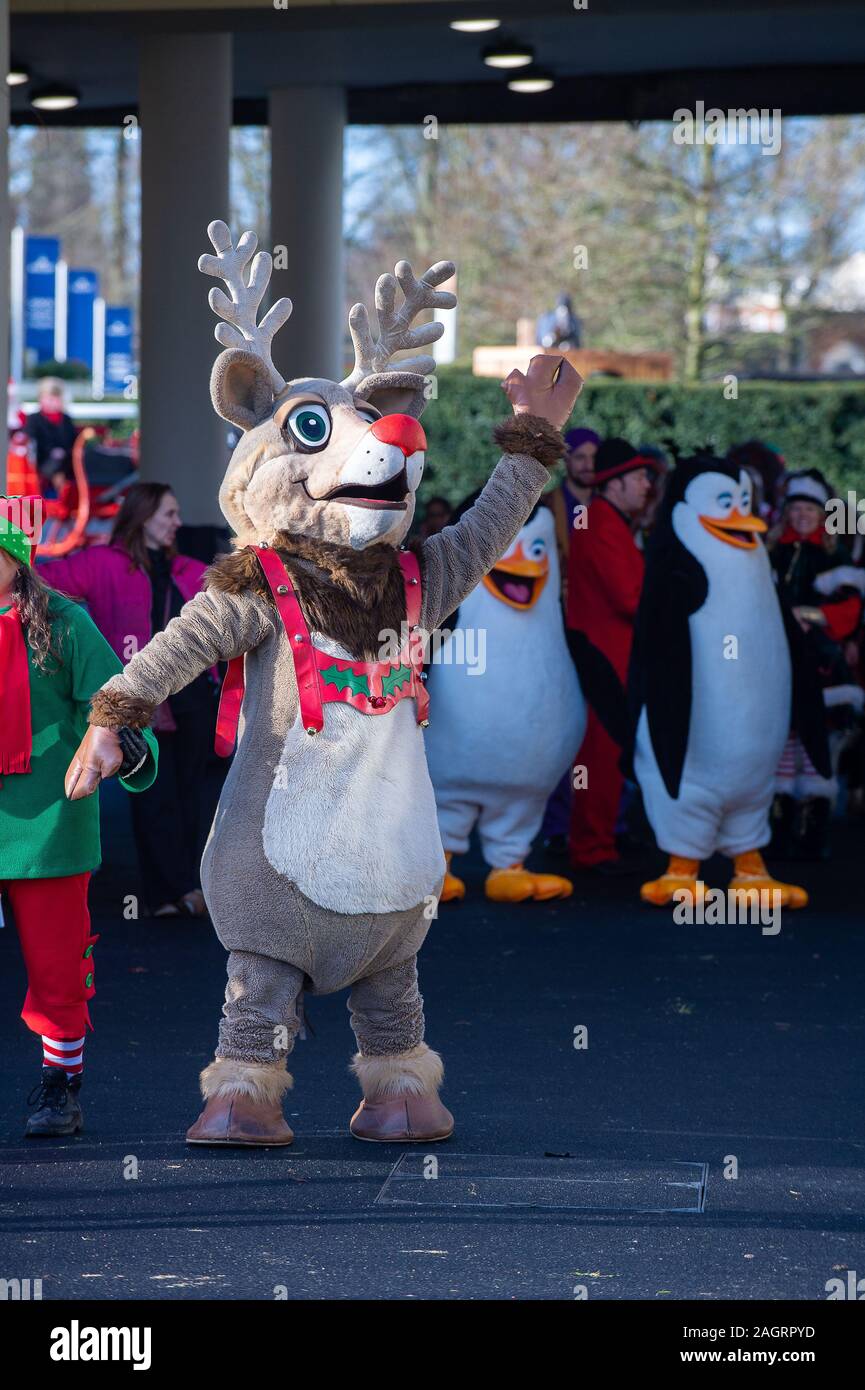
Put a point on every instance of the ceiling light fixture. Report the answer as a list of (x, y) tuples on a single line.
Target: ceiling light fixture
[(530, 82), (508, 55), (17, 75), (55, 98), (474, 26)]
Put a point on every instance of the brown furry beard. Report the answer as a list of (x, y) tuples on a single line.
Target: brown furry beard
[(351, 596)]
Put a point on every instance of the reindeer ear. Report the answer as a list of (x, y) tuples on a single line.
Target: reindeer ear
[(395, 393), (241, 388)]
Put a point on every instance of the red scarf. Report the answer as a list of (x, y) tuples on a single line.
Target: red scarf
[(16, 734), (790, 537)]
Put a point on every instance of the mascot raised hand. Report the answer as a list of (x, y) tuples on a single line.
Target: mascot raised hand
[(324, 862)]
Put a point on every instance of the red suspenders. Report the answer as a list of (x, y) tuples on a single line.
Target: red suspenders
[(408, 563), (303, 652)]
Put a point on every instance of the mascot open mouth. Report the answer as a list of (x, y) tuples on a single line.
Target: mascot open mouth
[(391, 495), (518, 590), (736, 529), (516, 580)]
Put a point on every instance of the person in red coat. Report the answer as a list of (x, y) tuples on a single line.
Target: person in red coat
[(605, 577)]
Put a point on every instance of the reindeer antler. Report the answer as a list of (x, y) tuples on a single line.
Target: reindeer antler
[(241, 310), (395, 330)]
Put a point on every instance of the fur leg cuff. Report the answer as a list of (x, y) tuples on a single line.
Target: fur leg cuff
[(532, 435), (418, 1072), (112, 709), (265, 1081)]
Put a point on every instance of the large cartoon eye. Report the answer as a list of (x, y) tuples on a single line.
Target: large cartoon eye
[(310, 425), (725, 500), (538, 549)]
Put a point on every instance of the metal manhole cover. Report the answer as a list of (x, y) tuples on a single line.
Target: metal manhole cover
[(472, 1181)]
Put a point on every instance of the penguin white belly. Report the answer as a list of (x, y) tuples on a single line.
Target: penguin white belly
[(511, 729), (741, 692)]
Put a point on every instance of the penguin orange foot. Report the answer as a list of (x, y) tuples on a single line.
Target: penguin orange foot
[(749, 871), (516, 885), (680, 873), (453, 888)]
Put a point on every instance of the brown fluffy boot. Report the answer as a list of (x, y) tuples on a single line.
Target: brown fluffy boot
[(400, 1098), (243, 1104)]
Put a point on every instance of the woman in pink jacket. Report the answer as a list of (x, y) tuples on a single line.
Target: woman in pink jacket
[(133, 587)]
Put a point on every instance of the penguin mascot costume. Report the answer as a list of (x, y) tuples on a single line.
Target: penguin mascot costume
[(712, 687), (510, 715)]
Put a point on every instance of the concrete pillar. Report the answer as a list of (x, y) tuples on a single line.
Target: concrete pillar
[(4, 231), (185, 113), (306, 133)]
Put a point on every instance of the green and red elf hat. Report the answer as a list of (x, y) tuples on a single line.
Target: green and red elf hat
[(19, 521)]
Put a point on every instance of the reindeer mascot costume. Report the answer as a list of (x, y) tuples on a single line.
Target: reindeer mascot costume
[(324, 862)]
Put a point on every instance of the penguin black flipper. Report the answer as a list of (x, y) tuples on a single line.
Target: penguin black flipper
[(600, 684), (660, 676), (808, 713)]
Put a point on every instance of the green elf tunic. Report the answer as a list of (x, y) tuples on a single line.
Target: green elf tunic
[(42, 835)]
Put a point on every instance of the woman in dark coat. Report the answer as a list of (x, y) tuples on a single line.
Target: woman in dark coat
[(133, 587)]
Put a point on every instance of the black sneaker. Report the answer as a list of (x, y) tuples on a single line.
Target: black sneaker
[(55, 1104)]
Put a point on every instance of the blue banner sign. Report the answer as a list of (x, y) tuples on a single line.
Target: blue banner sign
[(118, 347), (41, 254), (82, 291)]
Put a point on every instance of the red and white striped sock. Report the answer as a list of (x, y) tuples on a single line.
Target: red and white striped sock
[(63, 1052)]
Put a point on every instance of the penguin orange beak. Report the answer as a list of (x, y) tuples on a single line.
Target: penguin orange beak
[(517, 581), (736, 529)]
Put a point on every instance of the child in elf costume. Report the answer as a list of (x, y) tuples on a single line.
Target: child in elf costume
[(52, 660)]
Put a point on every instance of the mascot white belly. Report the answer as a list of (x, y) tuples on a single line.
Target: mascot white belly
[(383, 862), (507, 714), (742, 679)]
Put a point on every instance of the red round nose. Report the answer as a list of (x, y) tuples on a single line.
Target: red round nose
[(402, 430)]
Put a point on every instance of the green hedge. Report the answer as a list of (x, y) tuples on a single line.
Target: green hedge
[(815, 425), (70, 370)]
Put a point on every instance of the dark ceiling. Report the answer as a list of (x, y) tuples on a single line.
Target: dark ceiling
[(617, 59)]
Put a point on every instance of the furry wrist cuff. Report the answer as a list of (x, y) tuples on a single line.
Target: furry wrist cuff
[(111, 709), (532, 435)]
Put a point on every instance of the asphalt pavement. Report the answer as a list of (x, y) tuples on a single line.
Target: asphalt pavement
[(644, 1110)]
